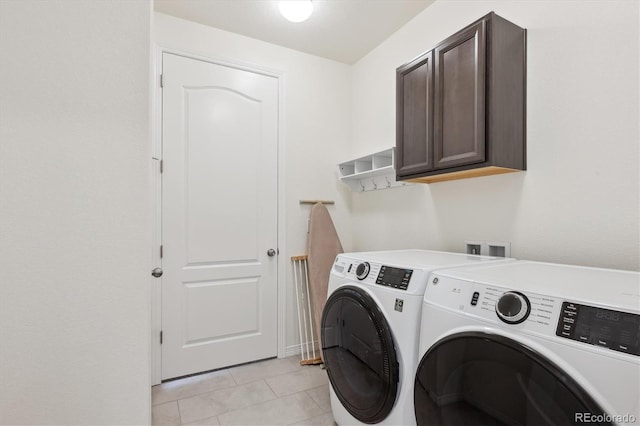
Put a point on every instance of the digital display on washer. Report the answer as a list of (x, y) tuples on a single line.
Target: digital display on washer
[(615, 330), (394, 277)]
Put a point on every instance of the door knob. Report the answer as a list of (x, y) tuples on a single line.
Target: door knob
[(157, 272), (271, 252)]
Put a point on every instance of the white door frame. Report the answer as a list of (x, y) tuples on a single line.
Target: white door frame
[(156, 154)]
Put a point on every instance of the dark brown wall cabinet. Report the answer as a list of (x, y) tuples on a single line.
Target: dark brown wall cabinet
[(460, 108)]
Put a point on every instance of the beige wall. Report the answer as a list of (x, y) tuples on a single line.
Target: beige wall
[(579, 200), (74, 212)]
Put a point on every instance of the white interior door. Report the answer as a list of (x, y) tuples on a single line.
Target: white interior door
[(219, 216)]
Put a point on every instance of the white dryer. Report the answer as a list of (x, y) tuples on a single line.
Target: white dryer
[(528, 343), (371, 328)]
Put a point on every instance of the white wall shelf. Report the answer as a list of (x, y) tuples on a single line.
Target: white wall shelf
[(371, 172)]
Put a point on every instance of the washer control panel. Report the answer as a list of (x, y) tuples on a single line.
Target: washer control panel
[(362, 270), (375, 273), (611, 329), (394, 277)]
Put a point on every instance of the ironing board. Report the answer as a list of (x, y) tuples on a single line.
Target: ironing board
[(324, 246)]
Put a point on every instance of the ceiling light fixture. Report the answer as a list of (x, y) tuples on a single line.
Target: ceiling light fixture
[(296, 10)]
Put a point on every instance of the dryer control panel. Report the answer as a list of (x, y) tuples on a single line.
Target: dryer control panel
[(540, 314), (525, 311), (611, 329)]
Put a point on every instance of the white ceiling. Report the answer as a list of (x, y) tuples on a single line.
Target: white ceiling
[(342, 30)]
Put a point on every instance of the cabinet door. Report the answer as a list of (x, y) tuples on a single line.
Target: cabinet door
[(459, 127), (414, 116)]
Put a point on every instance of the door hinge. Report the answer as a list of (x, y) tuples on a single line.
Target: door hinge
[(161, 80), (160, 337), (161, 166), (161, 251)]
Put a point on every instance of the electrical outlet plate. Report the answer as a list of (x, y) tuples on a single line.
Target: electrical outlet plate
[(488, 248), (474, 247), (498, 249)]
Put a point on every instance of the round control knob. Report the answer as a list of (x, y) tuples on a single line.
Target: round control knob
[(362, 270), (513, 307)]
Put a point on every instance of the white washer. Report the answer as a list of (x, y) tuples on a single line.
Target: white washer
[(529, 343), (370, 331)]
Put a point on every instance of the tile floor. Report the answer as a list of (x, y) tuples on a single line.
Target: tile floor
[(271, 392)]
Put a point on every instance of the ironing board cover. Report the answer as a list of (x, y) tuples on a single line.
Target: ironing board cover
[(324, 246)]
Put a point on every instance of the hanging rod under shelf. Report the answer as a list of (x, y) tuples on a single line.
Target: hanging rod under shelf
[(316, 202)]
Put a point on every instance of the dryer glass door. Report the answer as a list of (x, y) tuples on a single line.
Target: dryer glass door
[(359, 354), (477, 378)]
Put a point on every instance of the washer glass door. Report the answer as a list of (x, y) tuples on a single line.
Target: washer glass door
[(359, 354), (477, 378)]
